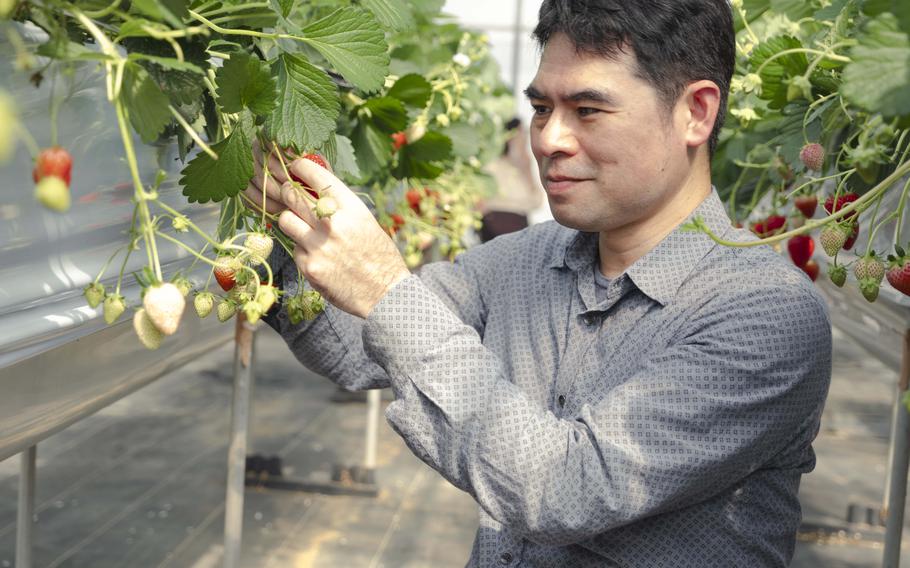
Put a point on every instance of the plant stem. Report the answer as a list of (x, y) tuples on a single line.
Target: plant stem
[(186, 247), (829, 55), (900, 212), (814, 180), (193, 134), (189, 223)]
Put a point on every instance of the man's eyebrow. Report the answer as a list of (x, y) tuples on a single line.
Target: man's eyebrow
[(586, 95)]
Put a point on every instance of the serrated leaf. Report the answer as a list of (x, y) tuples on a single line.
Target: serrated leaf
[(374, 148), (345, 160), (146, 105), (878, 78), (181, 87), (206, 179), (778, 70), (307, 104), (329, 151), (387, 114), (419, 160), (283, 7), (352, 41), (230, 220), (394, 14), (244, 81), (412, 89)]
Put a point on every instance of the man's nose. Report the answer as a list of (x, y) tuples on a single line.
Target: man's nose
[(556, 136)]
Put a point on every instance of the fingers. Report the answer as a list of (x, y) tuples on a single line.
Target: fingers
[(320, 179), (300, 203), (254, 199), (271, 185)]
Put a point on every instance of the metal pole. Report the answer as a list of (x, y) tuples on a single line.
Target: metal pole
[(240, 414), (900, 460), (373, 403), (26, 514), (516, 49)]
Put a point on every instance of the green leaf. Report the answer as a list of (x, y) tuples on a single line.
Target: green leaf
[(283, 7), (793, 9), (244, 81), (181, 87), (412, 89), (419, 159), (775, 73), (878, 78), (374, 148), (394, 14), (206, 179), (231, 218), (387, 114), (307, 104), (346, 161), (169, 11), (168, 62), (353, 42), (146, 105)]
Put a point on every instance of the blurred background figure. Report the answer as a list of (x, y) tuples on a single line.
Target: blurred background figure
[(518, 190)]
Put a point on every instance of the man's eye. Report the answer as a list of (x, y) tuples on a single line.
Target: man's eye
[(540, 109), (587, 111)]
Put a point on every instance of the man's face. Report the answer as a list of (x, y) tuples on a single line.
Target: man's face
[(610, 155)]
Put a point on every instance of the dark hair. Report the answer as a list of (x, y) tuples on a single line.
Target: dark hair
[(675, 42)]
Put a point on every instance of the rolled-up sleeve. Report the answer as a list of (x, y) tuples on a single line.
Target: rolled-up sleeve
[(739, 386)]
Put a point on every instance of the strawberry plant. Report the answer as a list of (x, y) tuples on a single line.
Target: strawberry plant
[(819, 111), (378, 90)]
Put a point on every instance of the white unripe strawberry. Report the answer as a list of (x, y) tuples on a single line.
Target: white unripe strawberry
[(164, 305), (146, 331)]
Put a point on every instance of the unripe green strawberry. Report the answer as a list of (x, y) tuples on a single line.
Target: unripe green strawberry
[(114, 305), (838, 274), (266, 297), (225, 310), (869, 267), (253, 311), (184, 285), (164, 306), (325, 207), (146, 331), (94, 294), (833, 238), (53, 193), (204, 302), (813, 156), (869, 288), (260, 247), (313, 304)]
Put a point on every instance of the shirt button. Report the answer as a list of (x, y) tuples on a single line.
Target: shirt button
[(590, 319), (506, 558), (561, 400)]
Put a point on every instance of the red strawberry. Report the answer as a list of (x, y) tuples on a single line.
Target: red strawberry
[(899, 271), (53, 161), (414, 196), (813, 156), (317, 159), (842, 201), (771, 226), (309, 190), (226, 272), (806, 205), (399, 139), (397, 223), (811, 269), (801, 248)]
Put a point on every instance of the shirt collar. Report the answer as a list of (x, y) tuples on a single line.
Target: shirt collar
[(660, 272)]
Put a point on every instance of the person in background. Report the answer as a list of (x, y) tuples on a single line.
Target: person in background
[(518, 192)]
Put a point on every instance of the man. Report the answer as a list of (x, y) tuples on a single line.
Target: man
[(611, 389)]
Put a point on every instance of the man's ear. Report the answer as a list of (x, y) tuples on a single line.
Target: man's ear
[(701, 100)]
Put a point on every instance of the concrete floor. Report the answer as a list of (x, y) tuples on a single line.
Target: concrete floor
[(141, 483)]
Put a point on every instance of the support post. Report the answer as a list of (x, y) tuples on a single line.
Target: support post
[(240, 416), (26, 513), (900, 459)]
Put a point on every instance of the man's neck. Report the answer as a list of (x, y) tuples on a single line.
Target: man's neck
[(620, 248)]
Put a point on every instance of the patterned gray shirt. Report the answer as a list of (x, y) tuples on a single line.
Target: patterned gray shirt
[(666, 424)]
